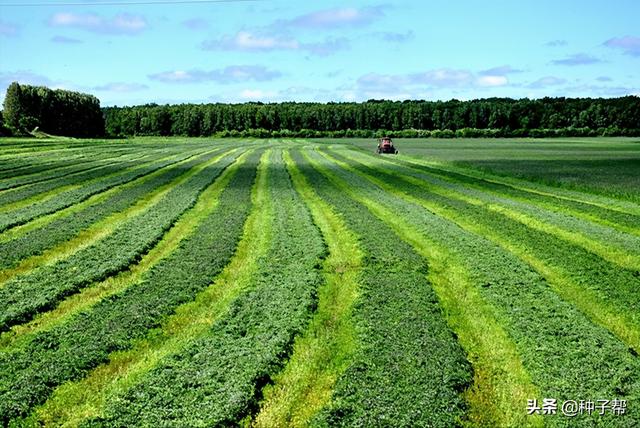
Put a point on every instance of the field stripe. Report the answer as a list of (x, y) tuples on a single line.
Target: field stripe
[(38, 222), (46, 164), (81, 193), (91, 295), (501, 383), (120, 321), (117, 158), (563, 350), (67, 226), (9, 210), (12, 199), (620, 221), (75, 402), (60, 169), (250, 343), (605, 202), (27, 295), (102, 228), (604, 313), (623, 257), (40, 162), (559, 208), (323, 352)]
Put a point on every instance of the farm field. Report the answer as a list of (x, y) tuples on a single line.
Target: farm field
[(274, 283)]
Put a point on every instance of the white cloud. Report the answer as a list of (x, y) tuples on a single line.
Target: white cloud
[(543, 82), (230, 74), (121, 24), (600, 91), (247, 41), (121, 87), (443, 77), (577, 59), (502, 70), (492, 81), (393, 37), (257, 94), (556, 43), (326, 47), (334, 18), (433, 79), (428, 84), (173, 76), (252, 42)]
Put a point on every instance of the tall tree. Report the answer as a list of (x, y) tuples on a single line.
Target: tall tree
[(12, 106)]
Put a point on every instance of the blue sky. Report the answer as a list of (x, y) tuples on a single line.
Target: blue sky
[(276, 50)]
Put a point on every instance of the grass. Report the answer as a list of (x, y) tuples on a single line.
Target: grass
[(30, 194), (605, 166), (39, 222), (100, 229), (115, 284), (602, 247), (501, 384), (444, 286), (224, 371), (71, 403), (610, 316), (323, 352), (523, 315)]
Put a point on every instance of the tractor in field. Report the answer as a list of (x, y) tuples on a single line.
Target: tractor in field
[(385, 145)]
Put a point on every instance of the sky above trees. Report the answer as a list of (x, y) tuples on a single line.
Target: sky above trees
[(276, 50)]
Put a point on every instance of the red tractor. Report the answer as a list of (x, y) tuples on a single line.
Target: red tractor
[(385, 145)]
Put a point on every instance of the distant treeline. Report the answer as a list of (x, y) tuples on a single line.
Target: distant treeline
[(54, 111), (492, 117), (75, 114)]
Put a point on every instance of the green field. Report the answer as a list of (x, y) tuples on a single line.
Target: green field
[(199, 282)]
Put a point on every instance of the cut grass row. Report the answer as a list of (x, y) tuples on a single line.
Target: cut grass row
[(94, 293), (408, 370), (500, 383), (555, 340), (19, 196), (29, 162), (586, 218), (59, 199), (612, 242), (216, 380), (110, 357), (43, 220), (572, 197), (69, 351), (614, 246), (61, 169), (64, 228), (327, 346), (75, 402), (602, 289), (26, 295), (94, 232)]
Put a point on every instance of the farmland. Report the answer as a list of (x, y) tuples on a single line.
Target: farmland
[(268, 283)]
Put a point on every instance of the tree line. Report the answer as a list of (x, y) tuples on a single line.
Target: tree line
[(61, 112), (495, 117), (54, 111)]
